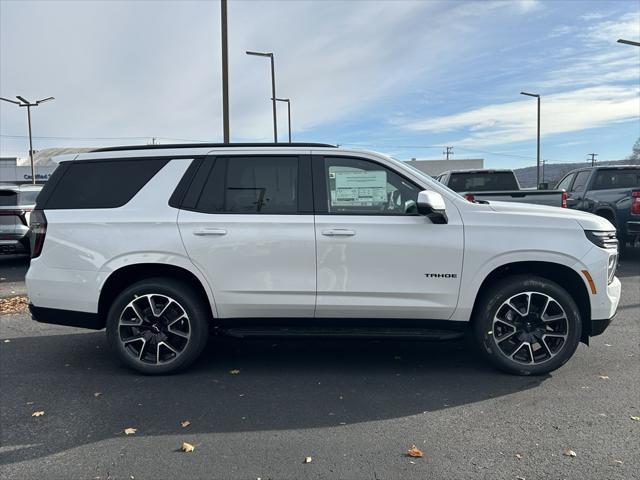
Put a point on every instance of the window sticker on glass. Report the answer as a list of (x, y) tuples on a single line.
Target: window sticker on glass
[(360, 188)]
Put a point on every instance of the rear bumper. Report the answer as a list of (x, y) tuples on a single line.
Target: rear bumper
[(68, 318), (12, 246)]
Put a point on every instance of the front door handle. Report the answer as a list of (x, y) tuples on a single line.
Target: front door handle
[(338, 232), (209, 232)]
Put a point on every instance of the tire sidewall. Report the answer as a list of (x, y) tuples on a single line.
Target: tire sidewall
[(504, 290), (188, 300)]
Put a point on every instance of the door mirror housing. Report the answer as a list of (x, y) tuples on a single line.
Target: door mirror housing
[(431, 205)]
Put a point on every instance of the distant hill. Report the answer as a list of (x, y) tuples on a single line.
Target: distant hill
[(553, 172)]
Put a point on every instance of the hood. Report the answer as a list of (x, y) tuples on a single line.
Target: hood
[(587, 221)]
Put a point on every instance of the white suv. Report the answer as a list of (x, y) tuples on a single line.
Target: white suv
[(162, 244)]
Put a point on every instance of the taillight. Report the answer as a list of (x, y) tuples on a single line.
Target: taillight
[(564, 200), (37, 232), (635, 202), (470, 197)]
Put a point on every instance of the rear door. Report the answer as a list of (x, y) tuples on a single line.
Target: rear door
[(247, 223), (376, 256)]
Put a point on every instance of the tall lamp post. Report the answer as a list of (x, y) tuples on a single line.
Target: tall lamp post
[(225, 71), (273, 90), (538, 149), (288, 113), (26, 103)]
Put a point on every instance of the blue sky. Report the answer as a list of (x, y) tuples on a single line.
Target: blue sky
[(400, 77)]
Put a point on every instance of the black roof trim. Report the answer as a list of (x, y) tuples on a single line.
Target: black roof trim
[(208, 145)]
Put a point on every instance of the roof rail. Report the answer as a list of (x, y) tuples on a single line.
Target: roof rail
[(209, 145)]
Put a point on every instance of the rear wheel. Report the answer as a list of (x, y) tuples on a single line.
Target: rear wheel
[(158, 326), (527, 325)]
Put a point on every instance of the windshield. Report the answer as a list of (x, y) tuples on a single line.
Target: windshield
[(483, 181), (426, 176)]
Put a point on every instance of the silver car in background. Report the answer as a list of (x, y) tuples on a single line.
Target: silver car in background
[(16, 204)]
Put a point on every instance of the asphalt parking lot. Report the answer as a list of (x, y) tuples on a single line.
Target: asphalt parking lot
[(354, 407)]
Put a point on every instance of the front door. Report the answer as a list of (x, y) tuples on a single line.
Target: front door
[(250, 230), (376, 256)]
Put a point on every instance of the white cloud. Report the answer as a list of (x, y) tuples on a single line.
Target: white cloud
[(562, 112), (153, 67)]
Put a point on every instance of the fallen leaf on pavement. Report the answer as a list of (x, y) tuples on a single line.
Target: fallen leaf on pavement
[(519, 456), (234, 371), (97, 394), (9, 306), (569, 453), (187, 447), (130, 431), (307, 460), (637, 419), (603, 377), (414, 452), (619, 462), (185, 423), (520, 478), (38, 413)]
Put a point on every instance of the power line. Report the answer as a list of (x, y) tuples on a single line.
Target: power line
[(448, 151), (593, 158)]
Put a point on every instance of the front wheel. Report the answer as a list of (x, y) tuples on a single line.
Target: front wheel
[(158, 326), (527, 325)]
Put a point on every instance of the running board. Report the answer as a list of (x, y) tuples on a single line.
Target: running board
[(346, 332)]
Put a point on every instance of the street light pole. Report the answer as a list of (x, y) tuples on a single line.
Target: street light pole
[(288, 113), (629, 42), (225, 71), (273, 90), (538, 138), (26, 103)]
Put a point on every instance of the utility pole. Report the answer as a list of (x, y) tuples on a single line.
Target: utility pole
[(26, 103), (225, 71), (448, 151), (543, 162), (593, 158)]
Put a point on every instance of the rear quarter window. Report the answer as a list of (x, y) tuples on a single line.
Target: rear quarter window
[(99, 184), (606, 179), (482, 182)]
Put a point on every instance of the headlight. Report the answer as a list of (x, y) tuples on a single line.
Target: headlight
[(611, 267), (603, 239)]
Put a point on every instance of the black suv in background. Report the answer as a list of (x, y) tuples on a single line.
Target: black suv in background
[(16, 204), (612, 192)]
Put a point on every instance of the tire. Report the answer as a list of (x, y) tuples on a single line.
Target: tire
[(532, 344), (160, 339)]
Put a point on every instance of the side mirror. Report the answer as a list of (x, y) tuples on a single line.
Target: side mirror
[(431, 204)]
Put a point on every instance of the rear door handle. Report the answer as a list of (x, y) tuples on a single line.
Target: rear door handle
[(338, 232), (205, 232)]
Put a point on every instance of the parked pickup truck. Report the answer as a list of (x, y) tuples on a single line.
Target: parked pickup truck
[(498, 185), (612, 192)]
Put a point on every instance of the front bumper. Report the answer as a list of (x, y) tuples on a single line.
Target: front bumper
[(614, 290)]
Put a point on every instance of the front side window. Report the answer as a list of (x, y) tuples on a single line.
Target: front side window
[(356, 186), (260, 184)]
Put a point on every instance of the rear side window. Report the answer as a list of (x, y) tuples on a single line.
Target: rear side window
[(565, 182), (616, 179), (8, 198), (101, 184), (483, 181), (258, 184), (581, 180)]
